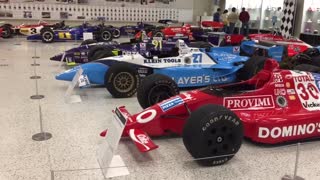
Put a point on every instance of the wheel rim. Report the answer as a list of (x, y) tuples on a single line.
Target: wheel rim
[(123, 82), (5, 33), (47, 36), (116, 33), (106, 36), (159, 93), (220, 141)]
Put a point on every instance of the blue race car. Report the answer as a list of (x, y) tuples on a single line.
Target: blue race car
[(188, 67), (48, 35)]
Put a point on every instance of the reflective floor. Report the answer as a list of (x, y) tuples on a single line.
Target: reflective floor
[(71, 152)]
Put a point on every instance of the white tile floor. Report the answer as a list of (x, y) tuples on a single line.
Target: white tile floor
[(71, 153)]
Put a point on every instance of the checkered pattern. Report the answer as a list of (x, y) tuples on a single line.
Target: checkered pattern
[(287, 20)]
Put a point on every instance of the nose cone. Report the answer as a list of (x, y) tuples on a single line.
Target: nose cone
[(56, 58), (67, 75)]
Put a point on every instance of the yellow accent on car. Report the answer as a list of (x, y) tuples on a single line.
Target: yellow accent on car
[(115, 52)]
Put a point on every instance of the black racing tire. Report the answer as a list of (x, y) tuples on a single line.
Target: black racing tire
[(307, 68), (88, 41), (212, 135), (102, 53), (223, 43), (47, 35), (122, 80), (116, 33), (205, 45), (155, 88), (312, 52), (103, 50), (157, 34), (105, 35), (251, 67), (7, 31)]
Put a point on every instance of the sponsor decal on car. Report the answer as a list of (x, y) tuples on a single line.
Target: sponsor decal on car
[(291, 91), (279, 85), (277, 78), (280, 92), (249, 102), (307, 90), (146, 116), (171, 103), (167, 60), (288, 131), (191, 80)]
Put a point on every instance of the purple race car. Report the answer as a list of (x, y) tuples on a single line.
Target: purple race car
[(90, 50)]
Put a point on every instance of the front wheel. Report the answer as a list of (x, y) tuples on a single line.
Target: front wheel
[(212, 135), (156, 88), (122, 80), (47, 35)]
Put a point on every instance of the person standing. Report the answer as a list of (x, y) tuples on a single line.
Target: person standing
[(232, 18), (224, 18), (216, 15), (244, 17)]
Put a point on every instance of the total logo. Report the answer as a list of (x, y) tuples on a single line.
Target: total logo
[(289, 131)]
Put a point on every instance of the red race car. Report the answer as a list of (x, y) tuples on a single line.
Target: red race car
[(1, 31), (294, 46), (275, 106), (171, 31)]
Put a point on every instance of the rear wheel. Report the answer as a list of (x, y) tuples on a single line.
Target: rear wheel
[(47, 35), (98, 52), (122, 80), (105, 35), (212, 135), (156, 88), (251, 67), (7, 31), (116, 33)]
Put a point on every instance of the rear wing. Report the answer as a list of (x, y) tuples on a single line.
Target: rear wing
[(251, 48)]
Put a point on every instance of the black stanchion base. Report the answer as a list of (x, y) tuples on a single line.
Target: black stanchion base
[(37, 97), (43, 136), (35, 77), (287, 177)]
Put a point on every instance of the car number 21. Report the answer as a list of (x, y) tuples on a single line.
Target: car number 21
[(197, 58)]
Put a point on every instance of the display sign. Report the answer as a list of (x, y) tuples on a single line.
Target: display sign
[(107, 149)]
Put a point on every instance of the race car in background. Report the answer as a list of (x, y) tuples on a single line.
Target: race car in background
[(1, 31), (273, 107), (91, 50), (189, 67), (25, 29), (132, 30), (49, 35)]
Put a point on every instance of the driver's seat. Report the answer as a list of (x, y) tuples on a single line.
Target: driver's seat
[(263, 76)]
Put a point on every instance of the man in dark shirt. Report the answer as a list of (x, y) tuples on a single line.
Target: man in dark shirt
[(244, 17), (216, 15)]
